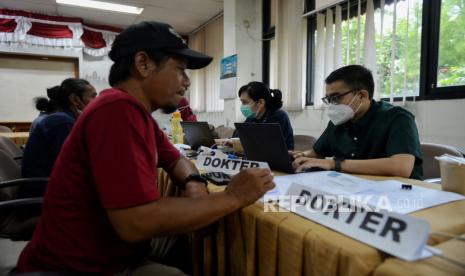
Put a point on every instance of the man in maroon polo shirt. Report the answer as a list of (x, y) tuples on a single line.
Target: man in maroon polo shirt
[(102, 206)]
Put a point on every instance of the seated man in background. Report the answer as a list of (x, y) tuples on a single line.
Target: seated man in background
[(363, 136), (187, 114), (102, 205)]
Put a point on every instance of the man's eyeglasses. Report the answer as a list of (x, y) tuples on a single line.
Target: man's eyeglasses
[(334, 98)]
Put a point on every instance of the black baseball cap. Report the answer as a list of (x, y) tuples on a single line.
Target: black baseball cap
[(151, 35)]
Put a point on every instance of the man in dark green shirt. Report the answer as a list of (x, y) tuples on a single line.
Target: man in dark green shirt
[(363, 136)]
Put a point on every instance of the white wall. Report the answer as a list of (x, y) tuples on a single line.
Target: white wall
[(440, 121), (95, 70), (248, 48), (25, 79)]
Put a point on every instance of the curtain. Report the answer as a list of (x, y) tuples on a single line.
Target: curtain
[(338, 38), (319, 76), (50, 30), (98, 39), (289, 40), (329, 40), (205, 83), (329, 52), (93, 39), (7, 25), (369, 53), (382, 35), (20, 27), (197, 88), (214, 47)]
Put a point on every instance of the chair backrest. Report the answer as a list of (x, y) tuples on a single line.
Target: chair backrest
[(18, 218), (10, 147), (9, 168), (431, 165), (224, 132), (303, 142), (5, 129)]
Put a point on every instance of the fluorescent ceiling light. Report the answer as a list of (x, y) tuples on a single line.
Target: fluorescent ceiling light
[(102, 6)]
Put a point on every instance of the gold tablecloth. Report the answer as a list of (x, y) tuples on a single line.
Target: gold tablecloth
[(254, 242), (437, 266), (20, 138)]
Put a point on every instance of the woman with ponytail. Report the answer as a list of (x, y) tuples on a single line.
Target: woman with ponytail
[(47, 136), (45, 107), (263, 105)]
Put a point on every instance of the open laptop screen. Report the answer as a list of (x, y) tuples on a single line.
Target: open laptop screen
[(197, 134), (265, 142)]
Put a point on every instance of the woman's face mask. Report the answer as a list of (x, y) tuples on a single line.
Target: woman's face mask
[(341, 113), (247, 111)]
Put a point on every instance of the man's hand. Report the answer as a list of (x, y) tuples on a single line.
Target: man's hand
[(303, 163), (195, 189), (249, 185)]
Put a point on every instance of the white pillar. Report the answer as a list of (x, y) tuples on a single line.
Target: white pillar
[(246, 44)]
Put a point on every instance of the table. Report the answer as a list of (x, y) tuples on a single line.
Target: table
[(18, 126), (437, 266), (252, 242), (20, 138)]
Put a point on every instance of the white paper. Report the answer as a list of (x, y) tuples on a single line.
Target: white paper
[(401, 201)]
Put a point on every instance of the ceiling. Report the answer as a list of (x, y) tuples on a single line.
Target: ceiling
[(183, 15)]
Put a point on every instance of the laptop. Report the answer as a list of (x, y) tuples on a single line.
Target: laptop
[(265, 143), (197, 134)]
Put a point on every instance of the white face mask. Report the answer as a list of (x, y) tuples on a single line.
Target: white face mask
[(341, 113)]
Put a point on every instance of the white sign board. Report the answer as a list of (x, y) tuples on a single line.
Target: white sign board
[(399, 235), (225, 165)]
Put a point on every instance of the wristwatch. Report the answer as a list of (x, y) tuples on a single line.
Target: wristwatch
[(337, 163), (194, 176)]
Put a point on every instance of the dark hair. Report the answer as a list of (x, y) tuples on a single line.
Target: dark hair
[(120, 70), (44, 105), (354, 76), (59, 95), (258, 90)]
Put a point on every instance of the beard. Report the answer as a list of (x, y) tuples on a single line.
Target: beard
[(168, 109)]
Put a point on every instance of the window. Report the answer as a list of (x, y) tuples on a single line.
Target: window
[(419, 46), (451, 64), (269, 43)]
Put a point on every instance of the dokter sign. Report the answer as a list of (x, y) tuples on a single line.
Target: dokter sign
[(225, 165), (400, 235)]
